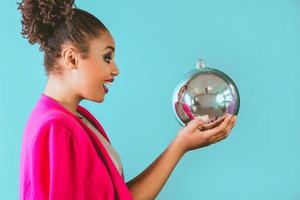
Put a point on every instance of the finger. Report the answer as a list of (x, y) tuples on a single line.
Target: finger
[(212, 134), (214, 123), (222, 136), (195, 123), (221, 128), (218, 140), (228, 131), (231, 127)]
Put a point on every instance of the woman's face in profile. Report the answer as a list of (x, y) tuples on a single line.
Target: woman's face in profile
[(181, 91), (98, 67)]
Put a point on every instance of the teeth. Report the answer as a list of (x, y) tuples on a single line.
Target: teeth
[(108, 83)]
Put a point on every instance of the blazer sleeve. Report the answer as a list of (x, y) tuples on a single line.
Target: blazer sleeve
[(54, 164)]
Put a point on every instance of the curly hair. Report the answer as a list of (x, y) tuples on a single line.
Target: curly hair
[(52, 23)]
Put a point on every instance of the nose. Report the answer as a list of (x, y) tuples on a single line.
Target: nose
[(115, 71)]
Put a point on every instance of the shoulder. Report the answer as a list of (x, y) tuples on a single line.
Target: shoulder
[(47, 111), (49, 130), (45, 124), (50, 117), (56, 124)]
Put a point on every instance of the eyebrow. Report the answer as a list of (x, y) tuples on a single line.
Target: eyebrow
[(110, 47)]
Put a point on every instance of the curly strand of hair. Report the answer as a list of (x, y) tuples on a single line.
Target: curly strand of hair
[(52, 23)]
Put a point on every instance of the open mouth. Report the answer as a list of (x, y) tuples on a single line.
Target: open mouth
[(107, 84)]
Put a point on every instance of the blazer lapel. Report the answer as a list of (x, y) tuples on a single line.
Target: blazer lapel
[(118, 182)]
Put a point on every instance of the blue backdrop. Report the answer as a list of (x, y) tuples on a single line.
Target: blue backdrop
[(255, 42)]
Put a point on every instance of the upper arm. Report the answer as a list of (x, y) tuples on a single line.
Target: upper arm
[(54, 162)]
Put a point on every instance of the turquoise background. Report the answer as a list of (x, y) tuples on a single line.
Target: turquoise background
[(257, 43)]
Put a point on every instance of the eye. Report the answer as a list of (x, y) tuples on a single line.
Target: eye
[(107, 57)]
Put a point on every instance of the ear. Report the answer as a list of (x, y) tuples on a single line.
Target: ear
[(69, 56)]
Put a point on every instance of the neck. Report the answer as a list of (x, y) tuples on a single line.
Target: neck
[(59, 90)]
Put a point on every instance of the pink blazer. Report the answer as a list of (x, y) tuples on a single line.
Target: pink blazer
[(62, 159), (185, 108)]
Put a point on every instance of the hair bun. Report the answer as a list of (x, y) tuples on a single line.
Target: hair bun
[(40, 18)]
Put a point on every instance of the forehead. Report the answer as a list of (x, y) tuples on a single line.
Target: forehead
[(105, 39)]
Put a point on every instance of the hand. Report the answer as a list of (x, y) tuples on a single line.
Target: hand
[(199, 133)]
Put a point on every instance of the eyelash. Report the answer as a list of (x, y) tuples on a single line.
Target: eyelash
[(107, 58)]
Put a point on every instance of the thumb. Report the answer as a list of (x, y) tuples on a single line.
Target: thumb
[(195, 123)]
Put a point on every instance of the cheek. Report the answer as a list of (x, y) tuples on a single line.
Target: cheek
[(90, 77)]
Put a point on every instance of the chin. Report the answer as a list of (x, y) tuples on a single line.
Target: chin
[(98, 99)]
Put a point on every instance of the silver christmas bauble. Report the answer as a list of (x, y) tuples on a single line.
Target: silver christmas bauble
[(205, 92)]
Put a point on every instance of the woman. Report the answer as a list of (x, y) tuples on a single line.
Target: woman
[(66, 153)]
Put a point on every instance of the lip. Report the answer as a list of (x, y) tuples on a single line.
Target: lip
[(105, 89), (109, 80)]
